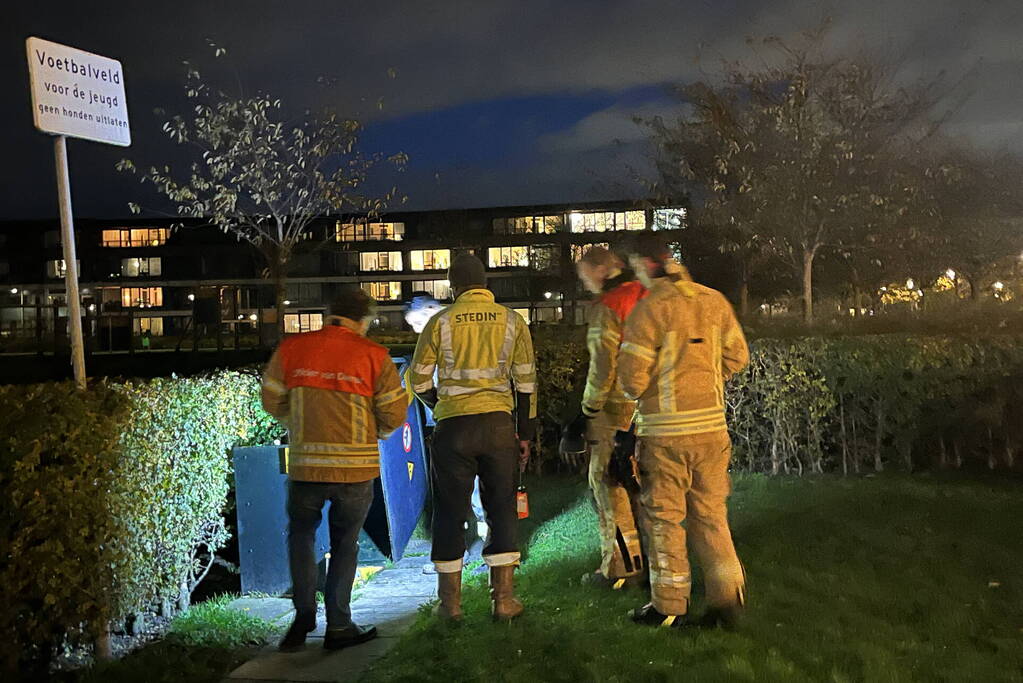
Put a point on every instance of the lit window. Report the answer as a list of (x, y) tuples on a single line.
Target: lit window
[(579, 249), (135, 237), (141, 297), (141, 267), (669, 219), (153, 326), (58, 268), (522, 225), (380, 260), (508, 257), (302, 322), (383, 291), (429, 259), (607, 221), (368, 232), (438, 289)]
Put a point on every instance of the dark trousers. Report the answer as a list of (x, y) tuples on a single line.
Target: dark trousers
[(349, 505), (462, 448)]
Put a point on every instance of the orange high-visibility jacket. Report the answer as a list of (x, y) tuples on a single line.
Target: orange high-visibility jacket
[(337, 392), (680, 344), (603, 339)]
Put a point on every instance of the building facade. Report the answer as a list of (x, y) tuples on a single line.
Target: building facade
[(142, 278)]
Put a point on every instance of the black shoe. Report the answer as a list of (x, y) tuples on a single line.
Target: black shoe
[(294, 639), (353, 635), (648, 616), (601, 581), (727, 618)]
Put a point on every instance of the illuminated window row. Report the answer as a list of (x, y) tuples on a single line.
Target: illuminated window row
[(141, 297), (141, 267), (368, 232), (419, 259), (438, 289), (302, 322), (607, 221), (523, 225), (135, 237)]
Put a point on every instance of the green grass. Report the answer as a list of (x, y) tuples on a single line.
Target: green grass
[(203, 644), (875, 579)]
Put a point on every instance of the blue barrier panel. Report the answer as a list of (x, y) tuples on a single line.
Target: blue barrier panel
[(261, 494)]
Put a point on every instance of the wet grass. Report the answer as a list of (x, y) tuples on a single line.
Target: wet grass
[(884, 578)]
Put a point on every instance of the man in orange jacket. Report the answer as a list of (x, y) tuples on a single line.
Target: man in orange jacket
[(338, 393)]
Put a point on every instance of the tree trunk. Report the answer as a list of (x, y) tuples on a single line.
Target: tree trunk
[(808, 256)]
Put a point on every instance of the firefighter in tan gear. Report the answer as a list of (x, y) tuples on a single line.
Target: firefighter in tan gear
[(681, 344), (484, 402), (604, 411)]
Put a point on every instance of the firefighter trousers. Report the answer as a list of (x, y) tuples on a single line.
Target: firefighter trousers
[(621, 553), (685, 479), (462, 448)]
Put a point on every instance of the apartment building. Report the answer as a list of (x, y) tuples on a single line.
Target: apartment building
[(141, 276)]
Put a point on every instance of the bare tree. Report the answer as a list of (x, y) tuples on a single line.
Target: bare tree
[(263, 177)]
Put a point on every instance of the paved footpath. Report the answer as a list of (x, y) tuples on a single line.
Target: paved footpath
[(391, 601)]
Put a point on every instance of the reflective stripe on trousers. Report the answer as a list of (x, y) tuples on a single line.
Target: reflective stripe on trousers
[(686, 479)]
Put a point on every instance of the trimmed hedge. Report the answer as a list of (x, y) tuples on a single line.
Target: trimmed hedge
[(115, 500), (845, 404)]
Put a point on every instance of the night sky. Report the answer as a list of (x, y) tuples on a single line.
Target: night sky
[(495, 102)]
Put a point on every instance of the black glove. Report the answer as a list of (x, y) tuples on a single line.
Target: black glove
[(620, 468), (572, 446)]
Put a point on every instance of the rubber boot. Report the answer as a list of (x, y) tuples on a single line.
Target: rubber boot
[(449, 590), (502, 593)]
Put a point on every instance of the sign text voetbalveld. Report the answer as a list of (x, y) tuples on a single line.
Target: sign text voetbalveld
[(77, 93)]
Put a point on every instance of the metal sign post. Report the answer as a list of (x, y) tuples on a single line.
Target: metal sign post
[(67, 238), (77, 94)]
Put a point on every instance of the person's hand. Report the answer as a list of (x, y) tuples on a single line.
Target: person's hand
[(523, 455)]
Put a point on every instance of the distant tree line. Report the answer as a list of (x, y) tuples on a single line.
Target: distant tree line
[(810, 165)]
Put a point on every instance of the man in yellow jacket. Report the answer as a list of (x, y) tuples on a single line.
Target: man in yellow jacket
[(605, 410), (681, 344), (337, 392), (483, 358)]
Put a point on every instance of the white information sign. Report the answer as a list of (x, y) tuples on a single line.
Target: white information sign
[(77, 94)]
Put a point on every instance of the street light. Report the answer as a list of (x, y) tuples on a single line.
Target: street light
[(287, 303), (253, 317), (547, 295), (191, 297)]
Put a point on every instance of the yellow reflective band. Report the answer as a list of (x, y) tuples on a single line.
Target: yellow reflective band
[(669, 620), (273, 386), (391, 396), (618, 585), (637, 350)]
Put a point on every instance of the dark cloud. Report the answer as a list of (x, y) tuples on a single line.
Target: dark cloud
[(493, 58)]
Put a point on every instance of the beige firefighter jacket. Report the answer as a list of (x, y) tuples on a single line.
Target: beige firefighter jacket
[(680, 345)]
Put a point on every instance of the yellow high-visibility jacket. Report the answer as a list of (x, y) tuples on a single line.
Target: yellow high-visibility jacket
[(680, 345), (482, 354)]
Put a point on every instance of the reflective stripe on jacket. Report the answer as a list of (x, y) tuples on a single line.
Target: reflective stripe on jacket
[(338, 392), (680, 344), (603, 339), (481, 352)]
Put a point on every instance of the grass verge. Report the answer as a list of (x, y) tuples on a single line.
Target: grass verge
[(886, 578), (204, 643)]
